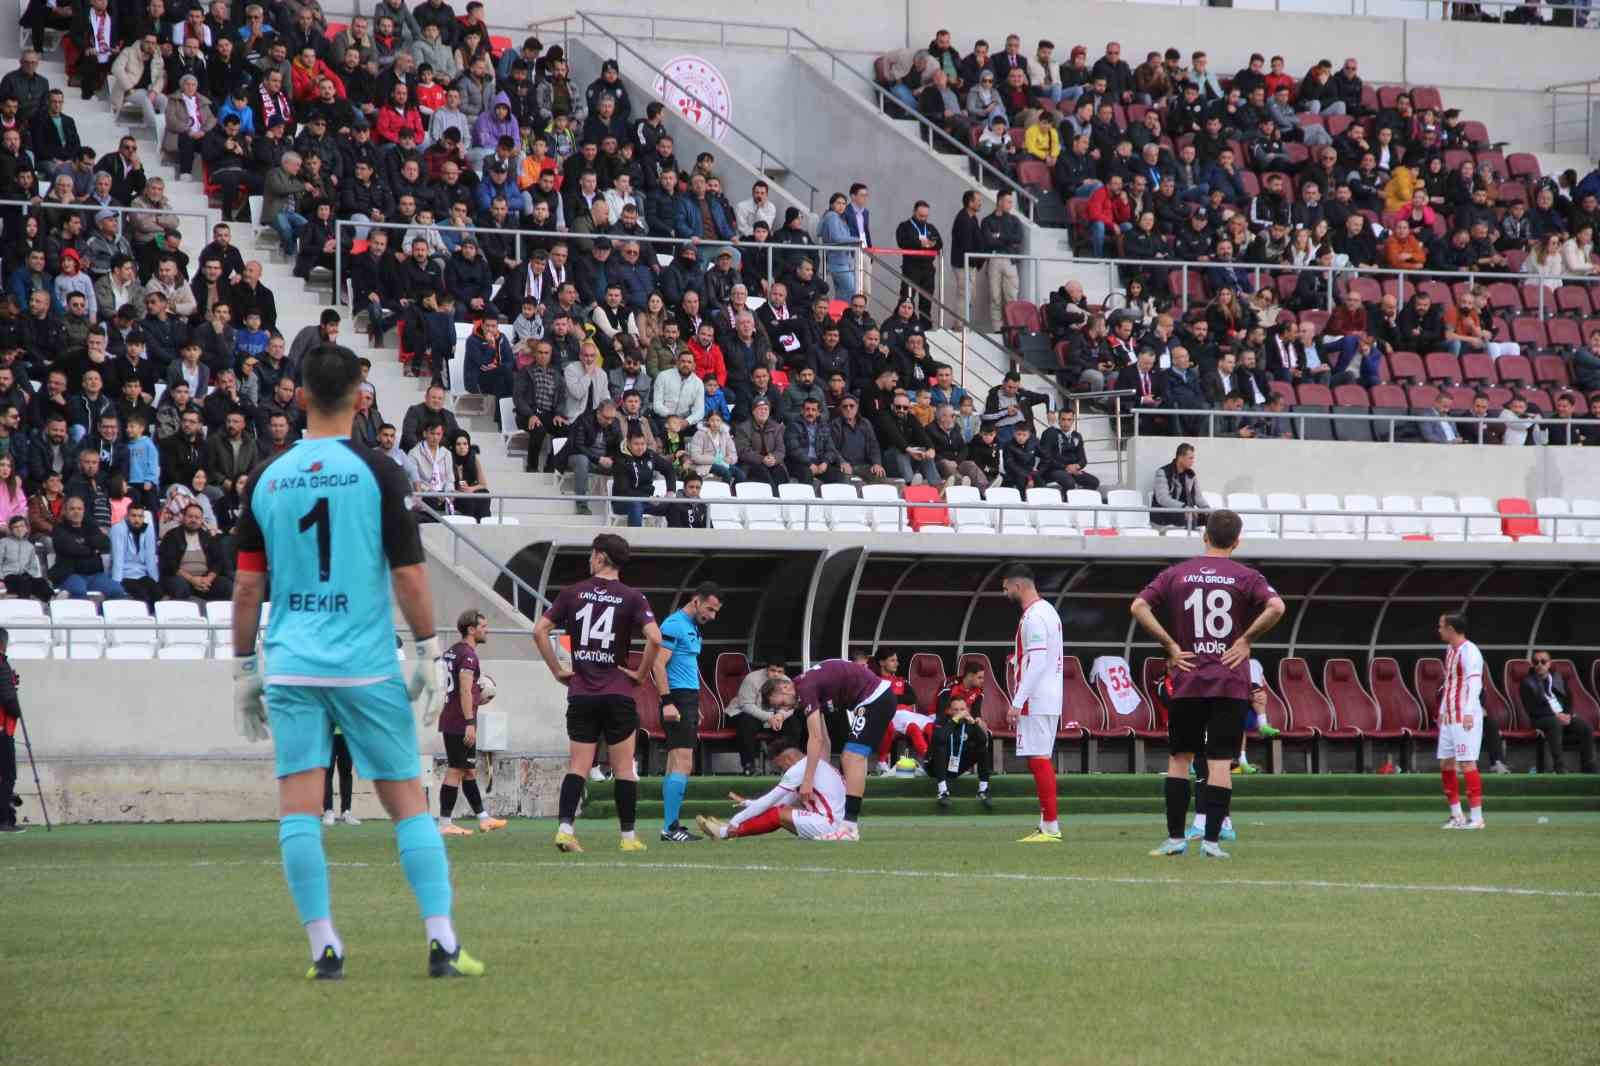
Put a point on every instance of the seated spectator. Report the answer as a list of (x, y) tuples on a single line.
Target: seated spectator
[(1175, 499), (432, 469), (490, 362), (1402, 250), (20, 569), (683, 512), (750, 716), (939, 104), (1061, 449), (468, 475), (79, 547), (960, 743), (1420, 326), (712, 451), (906, 448), (192, 562), (133, 556), (1520, 424), (1586, 365), (634, 476), (810, 453), (1021, 465), (947, 437), (759, 441), (1465, 331), (593, 444), (680, 391), (1442, 428), (1545, 697)]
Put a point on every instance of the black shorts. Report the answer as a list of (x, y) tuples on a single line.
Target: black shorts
[(593, 718), (866, 724), (684, 733), (1209, 725), (458, 754)]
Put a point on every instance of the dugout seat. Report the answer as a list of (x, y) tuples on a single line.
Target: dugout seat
[(1141, 723), (1309, 709), (728, 673), (1083, 717), (925, 678), (1397, 707), (648, 702), (1356, 711), (1584, 704), (713, 729)]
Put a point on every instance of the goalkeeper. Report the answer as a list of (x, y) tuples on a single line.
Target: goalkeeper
[(326, 524)]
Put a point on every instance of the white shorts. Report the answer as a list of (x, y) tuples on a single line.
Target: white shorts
[(810, 825), (1036, 735), (903, 718), (1459, 743)]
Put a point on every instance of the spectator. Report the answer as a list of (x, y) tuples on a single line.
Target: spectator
[(906, 448), (1009, 405), (810, 453), (1061, 449), (535, 391), (1586, 365), (1545, 697), (1442, 428), (133, 556), (79, 546), (1176, 499), (468, 475), (750, 716), (680, 392), (192, 562), (713, 452), (45, 506), (431, 469), (759, 441), (634, 477), (13, 497), (490, 363), (1109, 210), (1002, 235), (20, 570)]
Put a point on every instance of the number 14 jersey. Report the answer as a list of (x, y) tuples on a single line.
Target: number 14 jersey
[(600, 617), (1206, 603)]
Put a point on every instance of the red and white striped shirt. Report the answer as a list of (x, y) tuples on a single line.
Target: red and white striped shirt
[(1463, 685)]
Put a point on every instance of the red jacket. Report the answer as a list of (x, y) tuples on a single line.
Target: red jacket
[(1104, 208), (303, 83), (390, 122), (709, 361)]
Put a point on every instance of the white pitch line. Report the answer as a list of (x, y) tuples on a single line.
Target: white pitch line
[(844, 871)]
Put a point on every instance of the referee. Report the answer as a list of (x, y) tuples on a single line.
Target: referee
[(677, 678)]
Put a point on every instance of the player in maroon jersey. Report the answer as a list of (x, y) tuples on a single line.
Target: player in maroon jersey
[(1217, 608), (458, 724), (601, 617)]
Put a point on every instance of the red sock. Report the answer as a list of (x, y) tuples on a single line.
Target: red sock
[(1452, 791), (886, 747), (765, 822), (918, 735), (1474, 788), (1044, 779)]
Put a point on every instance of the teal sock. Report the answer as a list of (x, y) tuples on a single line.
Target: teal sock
[(672, 790), (304, 865), (423, 859)]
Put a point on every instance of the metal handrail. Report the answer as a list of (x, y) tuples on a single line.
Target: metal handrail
[(43, 205), (1299, 418), (1570, 90), (518, 585), (1335, 273)]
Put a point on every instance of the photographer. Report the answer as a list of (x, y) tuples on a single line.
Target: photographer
[(10, 715)]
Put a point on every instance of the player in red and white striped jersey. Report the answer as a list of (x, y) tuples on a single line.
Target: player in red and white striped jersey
[(781, 808), (1461, 721), (1036, 694)]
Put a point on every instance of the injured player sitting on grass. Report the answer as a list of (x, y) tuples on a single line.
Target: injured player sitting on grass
[(780, 808)]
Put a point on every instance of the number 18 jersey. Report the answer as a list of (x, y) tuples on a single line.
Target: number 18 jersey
[(326, 520), (1206, 603)]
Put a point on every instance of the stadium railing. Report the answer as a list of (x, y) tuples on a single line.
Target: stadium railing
[(521, 591), (90, 210), (1298, 419)]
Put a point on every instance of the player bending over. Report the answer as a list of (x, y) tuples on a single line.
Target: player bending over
[(1461, 721), (820, 819), (835, 686), (1037, 694), (330, 652), (459, 726), (1208, 601)]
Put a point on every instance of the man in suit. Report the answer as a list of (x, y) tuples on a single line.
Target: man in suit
[(856, 215), (126, 170), (1149, 391), (55, 135), (1441, 430), (917, 234), (1180, 383), (1549, 706)]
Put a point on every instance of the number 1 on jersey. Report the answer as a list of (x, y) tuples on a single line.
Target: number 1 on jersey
[(318, 517), (1212, 613)]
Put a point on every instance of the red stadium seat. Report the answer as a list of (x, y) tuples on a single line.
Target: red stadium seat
[(1537, 399), (1516, 517), (1551, 371), (1407, 368), (1426, 96), (1438, 292), (1573, 300), (1356, 711), (498, 44), (1584, 704), (1494, 160), (1475, 133), (1316, 395), (1388, 396), (1316, 317), (1514, 370), (1530, 333), (1284, 389), (1021, 316), (1510, 192), (1397, 707), (1442, 368), (994, 692), (1421, 397), (925, 677), (936, 515), (1371, 292), (1337, 124), (1503, 294), (728, 674), (1478, 368), (1461, 397), (1033, 174), (648, 703), (1507, 709), (1308, 708), (1388, 94), (1351, 396), (1454, 157), (714, 728), (1524, 166)]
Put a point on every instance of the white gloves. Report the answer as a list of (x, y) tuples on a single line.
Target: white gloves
[(426, 685), (249, 707)]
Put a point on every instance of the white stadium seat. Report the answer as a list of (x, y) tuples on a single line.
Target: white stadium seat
[(1132, 513), (1050, 515), (794, 516), (1363, 525), (755, 515), (1255, 525), (968, 519), (1555, 527), (181, 651), (1404, 509), (76, 642), (129, 623), (1445, 529), (1590, 510), (1289, 523), (1327, 524), (886, 515), (1011, 522), (180, 614), (846, 515), (722, 515), (26, 643), (1086, 498), (460, 520)]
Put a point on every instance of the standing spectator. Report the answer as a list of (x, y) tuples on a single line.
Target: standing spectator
[(191, 561), (79, 545), (133, 556), (1549, 705), (966, 235), (1002, 235), (921, 237), (1010, 405), (833, 230), (593, 444)]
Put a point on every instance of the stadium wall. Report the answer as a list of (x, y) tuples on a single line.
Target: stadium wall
[(165, 748)]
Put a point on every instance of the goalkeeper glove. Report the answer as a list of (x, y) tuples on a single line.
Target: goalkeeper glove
[(249, 705), (426, 686)]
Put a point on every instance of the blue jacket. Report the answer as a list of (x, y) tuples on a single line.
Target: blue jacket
[(719, 404), (636, 279), (18, 285), (688, 221), (1214, 177), (133, 558), (834, 230), (481, 353), (488, 190), (678, 278), (144, 461)]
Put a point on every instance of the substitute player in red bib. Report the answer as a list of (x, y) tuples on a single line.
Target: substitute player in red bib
[(600, 616), (1036, 694), (1461, 721), (1217, 608)]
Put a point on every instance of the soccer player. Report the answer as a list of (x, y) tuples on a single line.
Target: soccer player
[(601, 617), (1461, 721), (1037, 692), (782, 808), (1217, 608), (886, 664), (321, 503), (459, 726), (677, 677), (866, 703)]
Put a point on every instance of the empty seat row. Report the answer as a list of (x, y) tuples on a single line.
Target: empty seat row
[(1324, 516), (118, 629)]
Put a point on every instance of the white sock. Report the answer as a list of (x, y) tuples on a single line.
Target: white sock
[(484, 815), (565, 827), (628, 834), (983, 786), (442, 930), (1455, 810), (1477, 814), (722, 832), (1050, 827), (443, 821), (849, 823), (1227, 823), (944, 789), (323, 936), (1200, 822), (1244, 760)]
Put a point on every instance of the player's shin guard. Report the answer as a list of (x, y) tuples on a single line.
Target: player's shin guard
[(469, 789), (1452, 790), (627, 793), (1044, 779), (1216, 809), (571, 795), (426, 867), (1177, 806), (305, 867), (447, 801), (1474, 789), (672, 790), (765, 822)]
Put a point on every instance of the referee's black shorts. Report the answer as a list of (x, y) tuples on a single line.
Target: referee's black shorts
[(685, 732), (458, 754), (1208, 725)]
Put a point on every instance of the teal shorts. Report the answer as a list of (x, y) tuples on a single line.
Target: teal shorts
[(375, 719)]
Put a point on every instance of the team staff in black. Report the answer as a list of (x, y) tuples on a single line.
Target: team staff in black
[(1549, 706), (917, 234), (10, 715), (1061, 448)]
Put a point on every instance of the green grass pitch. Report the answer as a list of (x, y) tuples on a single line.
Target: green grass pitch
[(1331, 937)]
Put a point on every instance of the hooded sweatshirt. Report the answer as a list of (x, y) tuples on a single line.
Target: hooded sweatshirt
[(490, 127)]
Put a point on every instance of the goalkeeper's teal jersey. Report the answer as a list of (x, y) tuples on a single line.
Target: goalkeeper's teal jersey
[(326, 520)]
